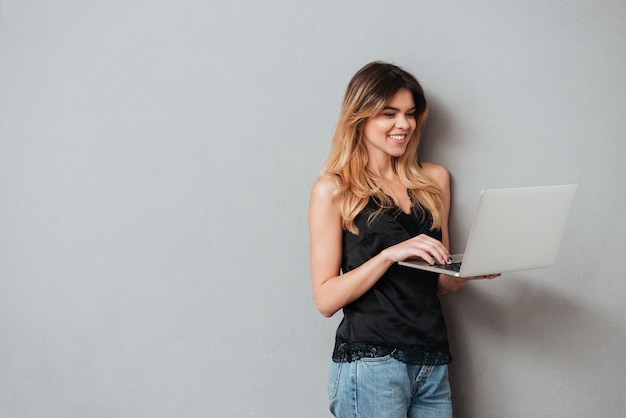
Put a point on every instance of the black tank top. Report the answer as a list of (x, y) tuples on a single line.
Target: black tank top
[(400, 315)]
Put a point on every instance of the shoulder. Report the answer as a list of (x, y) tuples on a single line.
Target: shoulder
[(326, 187), (325, 194), (438, 173), (324, 208)]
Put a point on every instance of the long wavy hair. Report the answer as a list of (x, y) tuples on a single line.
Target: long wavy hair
[(368, 92)]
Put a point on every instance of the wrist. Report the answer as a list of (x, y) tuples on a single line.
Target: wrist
[(386, 257)]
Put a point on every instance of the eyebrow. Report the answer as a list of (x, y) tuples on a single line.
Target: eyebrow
[(397, 110)]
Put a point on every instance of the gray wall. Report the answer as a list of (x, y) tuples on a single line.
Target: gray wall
[(155, 165)]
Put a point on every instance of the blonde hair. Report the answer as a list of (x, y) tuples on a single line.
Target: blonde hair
[(368, 92)]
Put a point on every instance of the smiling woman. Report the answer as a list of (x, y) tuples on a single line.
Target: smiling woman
[(373, 205), (388, 132)]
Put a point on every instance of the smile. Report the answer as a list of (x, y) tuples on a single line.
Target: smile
[(398, 138)]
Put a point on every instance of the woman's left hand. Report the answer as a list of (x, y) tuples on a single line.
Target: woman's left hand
[(484, 276), (449, 284)]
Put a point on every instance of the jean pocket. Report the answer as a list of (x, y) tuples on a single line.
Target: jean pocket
[(334, 377), (382, 359)]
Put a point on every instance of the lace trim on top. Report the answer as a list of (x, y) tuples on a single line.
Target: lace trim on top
[(345, 352)]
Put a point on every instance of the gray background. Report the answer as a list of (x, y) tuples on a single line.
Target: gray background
[(156, 159)]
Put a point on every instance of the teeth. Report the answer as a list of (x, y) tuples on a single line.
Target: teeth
[(397, 137)]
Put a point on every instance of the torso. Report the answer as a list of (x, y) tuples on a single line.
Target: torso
[(400, 315)]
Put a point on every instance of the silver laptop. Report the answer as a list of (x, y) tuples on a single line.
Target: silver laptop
[(514, 229)]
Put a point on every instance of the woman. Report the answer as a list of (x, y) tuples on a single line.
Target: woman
[(373, 205)]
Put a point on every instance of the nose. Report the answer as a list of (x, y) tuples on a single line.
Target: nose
[(402, 122)]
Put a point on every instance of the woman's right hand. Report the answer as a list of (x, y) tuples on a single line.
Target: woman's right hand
[(422, 246)]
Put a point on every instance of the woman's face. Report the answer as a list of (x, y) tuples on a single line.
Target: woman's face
[(387, 134)]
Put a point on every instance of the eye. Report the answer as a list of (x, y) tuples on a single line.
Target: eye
[(411, 115), (389, 114)]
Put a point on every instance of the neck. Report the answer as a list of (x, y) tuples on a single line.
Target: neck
[(382, 167)]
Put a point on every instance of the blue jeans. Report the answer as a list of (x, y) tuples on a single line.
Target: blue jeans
[(387, 388)]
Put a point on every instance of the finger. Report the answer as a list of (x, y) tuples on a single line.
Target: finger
[(424, 255), (442, 255), (433, 256), (436, 249), (429, 249), (491, 276)]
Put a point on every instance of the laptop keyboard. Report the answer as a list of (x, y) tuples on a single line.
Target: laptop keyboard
[(452, 266)]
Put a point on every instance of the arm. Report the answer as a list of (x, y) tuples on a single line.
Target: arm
[(332, 290)]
